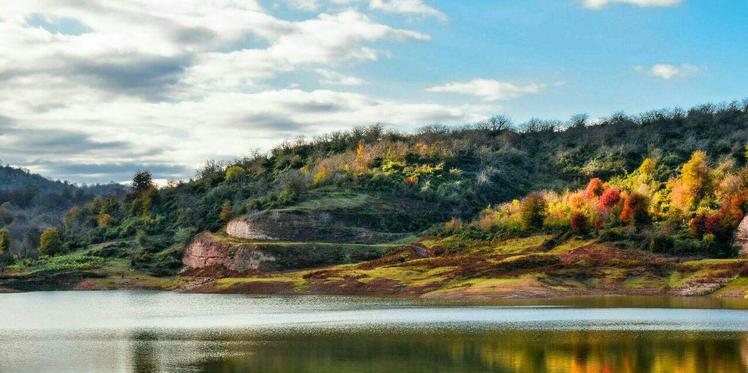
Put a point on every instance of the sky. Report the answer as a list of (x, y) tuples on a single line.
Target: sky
[(93, 90)]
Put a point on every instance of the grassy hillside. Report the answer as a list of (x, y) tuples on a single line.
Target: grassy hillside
[(372, 186)]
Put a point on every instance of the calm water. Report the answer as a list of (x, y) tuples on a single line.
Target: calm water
[(170, 332)]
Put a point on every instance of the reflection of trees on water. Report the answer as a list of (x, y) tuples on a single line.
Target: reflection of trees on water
[(519, 351)]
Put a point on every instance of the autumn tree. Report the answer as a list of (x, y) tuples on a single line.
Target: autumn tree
[(50, 242), (610, 197), (594, 188), (226, 211), (635, 210), (532, 211), (579, 223), (694, 183), (235, 173), (4, 241)]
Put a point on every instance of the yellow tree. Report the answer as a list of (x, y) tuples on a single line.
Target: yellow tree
[(226, 211), (4, 241), (694, 184), (50, 242)]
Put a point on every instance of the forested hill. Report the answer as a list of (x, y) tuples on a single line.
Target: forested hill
[(30, 203), (386, 182)]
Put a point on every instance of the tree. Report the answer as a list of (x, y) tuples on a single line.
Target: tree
[(235, 173), (610, 197), (226, 211), (142, 182), (532, 211), (579, 223), (594, 188), (4, 241), (635, 210), (694, 184), (50, 242)]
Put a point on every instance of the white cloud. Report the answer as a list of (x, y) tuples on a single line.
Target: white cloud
[(412, 7), (336, 78), (667, 71), (599, 4), (169, 84), (490, 90)]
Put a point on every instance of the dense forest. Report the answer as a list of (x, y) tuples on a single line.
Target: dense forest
[(444, 174), (30, 203)]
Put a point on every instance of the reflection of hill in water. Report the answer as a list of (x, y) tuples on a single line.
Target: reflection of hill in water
[(516, 351)]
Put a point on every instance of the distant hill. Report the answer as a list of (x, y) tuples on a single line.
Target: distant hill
[(30, 202)]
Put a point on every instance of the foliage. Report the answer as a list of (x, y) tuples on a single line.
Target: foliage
[(476, 172), (4, 241), (579, 223), (226, 211), (532, 211), (635, 208), (50, 242)]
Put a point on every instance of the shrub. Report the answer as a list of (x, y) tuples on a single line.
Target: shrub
[(635, 210), (610, 197), (661, 244), (4, 241), (235, 173), (50, 242), (226, 212), (532, 211), (579, 223), (594, 188)]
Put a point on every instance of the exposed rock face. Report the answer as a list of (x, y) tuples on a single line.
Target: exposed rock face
[(303, 226), (741, 237), (207, 252), (219, 254), (243, 228)]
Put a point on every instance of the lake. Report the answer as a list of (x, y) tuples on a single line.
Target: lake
[(132, 331)]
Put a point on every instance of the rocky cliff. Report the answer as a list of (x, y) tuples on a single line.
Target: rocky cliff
[(207, 251), (225, 253)]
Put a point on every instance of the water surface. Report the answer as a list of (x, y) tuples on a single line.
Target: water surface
[(163, 331)]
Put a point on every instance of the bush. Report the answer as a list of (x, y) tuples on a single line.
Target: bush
[(532, 211), (661, 244), (594, 188), (635, 210), (579, 223), (50, 242), (610, 197)]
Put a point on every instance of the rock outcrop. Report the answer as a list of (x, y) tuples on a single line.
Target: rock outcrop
[(205, 251), (219, 254), (244, 228), (741, 237), (286, 225)]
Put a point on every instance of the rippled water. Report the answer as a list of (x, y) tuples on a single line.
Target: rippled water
[(162, 331)]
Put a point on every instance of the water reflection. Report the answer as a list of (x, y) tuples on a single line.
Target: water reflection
[(167, 332), (482, 351)]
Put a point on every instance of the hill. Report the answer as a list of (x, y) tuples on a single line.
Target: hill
[(29, 203), (382, 198)]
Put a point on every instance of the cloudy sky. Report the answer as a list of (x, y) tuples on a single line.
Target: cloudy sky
[(91, 90)]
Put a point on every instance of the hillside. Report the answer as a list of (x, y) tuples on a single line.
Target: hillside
[(381, 199), (29, 203)]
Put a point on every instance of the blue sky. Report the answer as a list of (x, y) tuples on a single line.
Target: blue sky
[(95, 90)]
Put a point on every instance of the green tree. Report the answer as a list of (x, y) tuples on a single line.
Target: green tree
[(142, 182), (4, 241), (532, 211), (50, 242)]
